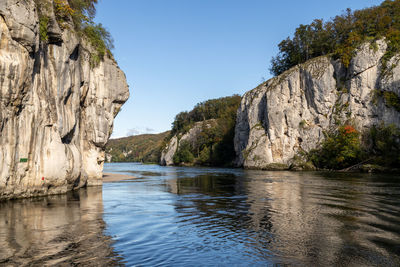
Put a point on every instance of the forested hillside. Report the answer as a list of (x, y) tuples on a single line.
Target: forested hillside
[(137, 148)]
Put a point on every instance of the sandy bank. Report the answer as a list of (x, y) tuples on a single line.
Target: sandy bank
[(113, 177)]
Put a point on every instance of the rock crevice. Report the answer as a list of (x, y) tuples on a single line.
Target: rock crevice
[(56, 110), (307, 100)]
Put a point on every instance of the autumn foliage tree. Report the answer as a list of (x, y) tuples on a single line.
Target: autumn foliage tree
[(340, 149)]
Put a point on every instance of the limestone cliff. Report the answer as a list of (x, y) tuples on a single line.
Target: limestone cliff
[(191, 136), (290, 112), (56, 110)]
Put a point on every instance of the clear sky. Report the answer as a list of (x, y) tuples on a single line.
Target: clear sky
[(177, 53)]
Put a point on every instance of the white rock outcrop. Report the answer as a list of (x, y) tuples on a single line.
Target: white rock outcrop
[(290, 112), (56, 110), (191, 136)]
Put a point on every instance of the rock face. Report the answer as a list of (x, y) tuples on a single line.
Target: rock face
[(290, 112), (56, 110), (167, 154)]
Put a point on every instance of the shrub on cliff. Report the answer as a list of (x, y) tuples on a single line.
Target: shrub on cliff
[(80, 14), (340, 149), (384, 145), (100, 39), (183, 155), (43, 25), (341, 36), (343, 148)]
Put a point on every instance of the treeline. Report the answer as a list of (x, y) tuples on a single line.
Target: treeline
[(138, 148), (341, 36), (80, 15), (224, 107), (214, 145)]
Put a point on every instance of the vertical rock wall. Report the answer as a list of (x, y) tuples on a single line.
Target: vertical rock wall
[(56, 111), (290, 112)]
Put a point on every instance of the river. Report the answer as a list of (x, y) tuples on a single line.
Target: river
[(171, 216)]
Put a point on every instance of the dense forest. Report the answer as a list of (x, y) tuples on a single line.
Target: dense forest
[(138, 148), (214, 145), (341, 36)]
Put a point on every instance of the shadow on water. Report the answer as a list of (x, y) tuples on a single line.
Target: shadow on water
[(56, 230)]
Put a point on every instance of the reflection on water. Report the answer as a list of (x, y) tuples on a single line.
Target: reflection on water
[(56, 230), (302, 218), (192, 216), (207, 216)]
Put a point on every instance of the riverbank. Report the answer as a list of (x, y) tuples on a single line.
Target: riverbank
[(114, 177)]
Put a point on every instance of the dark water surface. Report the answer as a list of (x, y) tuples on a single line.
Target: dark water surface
[(210, 217)]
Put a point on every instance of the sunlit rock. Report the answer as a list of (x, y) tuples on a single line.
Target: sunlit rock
[(56, 109), (290, 112)]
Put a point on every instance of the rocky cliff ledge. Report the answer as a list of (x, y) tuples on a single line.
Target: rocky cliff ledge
[(290, 112), (56, 109)]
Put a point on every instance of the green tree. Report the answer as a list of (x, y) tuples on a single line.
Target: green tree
[(341, 36), (340, 149), (204, 156), (385, 145), (183, 155)]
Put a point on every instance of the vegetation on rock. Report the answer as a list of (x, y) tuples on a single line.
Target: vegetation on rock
[(341, 36), (43, 25), (340, 149), (211, 109), (383, 143), (214, 145), (184, 154), (345, 147), (79, 14)]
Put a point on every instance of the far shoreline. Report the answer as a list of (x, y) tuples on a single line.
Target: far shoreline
[(115, 177)]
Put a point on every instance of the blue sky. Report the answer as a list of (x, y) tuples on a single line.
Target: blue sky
[(177, 53)]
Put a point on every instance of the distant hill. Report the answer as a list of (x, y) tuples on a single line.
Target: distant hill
[(137, 148)]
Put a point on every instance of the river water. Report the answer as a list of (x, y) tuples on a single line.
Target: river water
[(172, 216)]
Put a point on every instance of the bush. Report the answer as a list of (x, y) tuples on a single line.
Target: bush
[(63, 12), (81, 13), (204, 157), (183, 155), (43, 25), (392, 100), (340, 149), (100, 39), (343, 148), (85, 10), (384, 144)]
